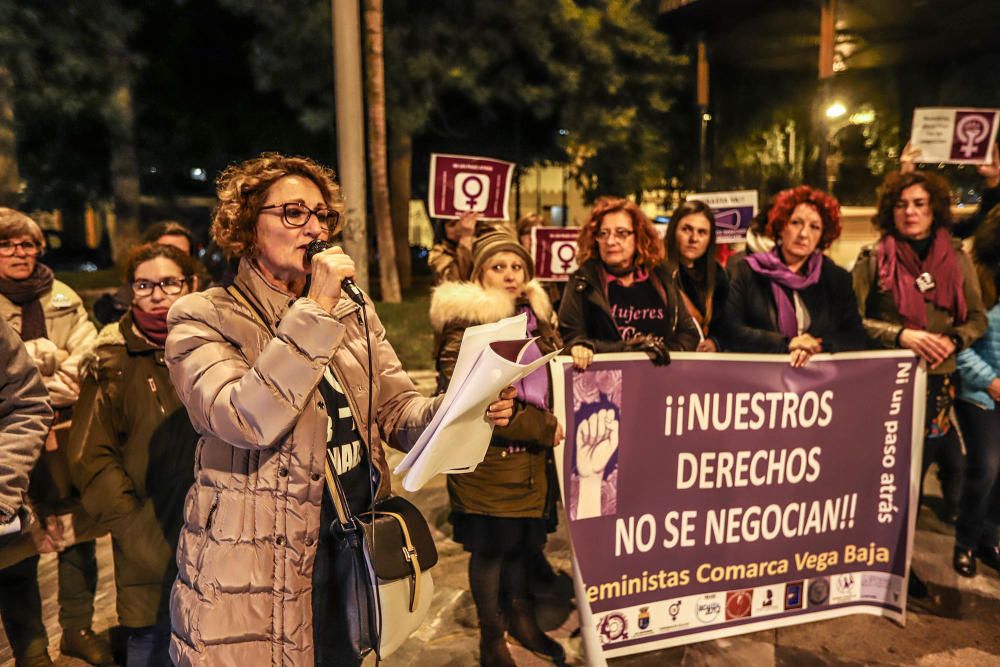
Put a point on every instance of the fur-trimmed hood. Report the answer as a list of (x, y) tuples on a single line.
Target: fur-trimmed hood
[(472, 304), (110, 335)]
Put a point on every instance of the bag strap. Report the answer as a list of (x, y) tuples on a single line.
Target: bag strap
[(340, 506), (410, 554), (240, 296)]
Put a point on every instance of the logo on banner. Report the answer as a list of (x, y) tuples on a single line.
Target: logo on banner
[(846, 587), (613, 627), (563, 257), (819, 591), (674, 609), (708, 607), (738, 604), (472, 191), (793, 595), (643, 618), (766, 600)]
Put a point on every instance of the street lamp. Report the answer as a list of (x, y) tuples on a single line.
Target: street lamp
[(835, 110)]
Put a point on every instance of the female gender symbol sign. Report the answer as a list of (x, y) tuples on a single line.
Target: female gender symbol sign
[(567, 261), (973, 130), (473, 197)]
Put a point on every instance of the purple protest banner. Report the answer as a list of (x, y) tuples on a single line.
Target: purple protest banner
[(554, 251), (726, 494), (462, 183)]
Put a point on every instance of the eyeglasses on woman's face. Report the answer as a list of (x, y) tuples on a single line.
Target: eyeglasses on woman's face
[(169, 286), (29, 248), (619, 234), (297, 214)]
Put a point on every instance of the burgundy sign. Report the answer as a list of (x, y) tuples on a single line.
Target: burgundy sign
[(463, 183), (554, 250), (973, 130), (726, 494)]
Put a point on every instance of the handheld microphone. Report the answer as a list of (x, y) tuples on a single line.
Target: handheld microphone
[(347, 284)]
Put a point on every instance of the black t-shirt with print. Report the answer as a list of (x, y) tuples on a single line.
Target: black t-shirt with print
[(636, 309), (350, 458)]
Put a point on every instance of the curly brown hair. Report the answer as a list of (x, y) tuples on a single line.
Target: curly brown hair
[(648, 245), (242, 188), (892, 188), (785, 203)]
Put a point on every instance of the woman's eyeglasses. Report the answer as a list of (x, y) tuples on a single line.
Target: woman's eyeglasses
[(9, 248), (619, 234), (169, 286), (295, 214)]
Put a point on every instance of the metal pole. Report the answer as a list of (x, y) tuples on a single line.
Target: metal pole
[(346, 18), (702, 112)]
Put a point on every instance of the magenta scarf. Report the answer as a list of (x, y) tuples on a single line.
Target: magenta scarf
[(898, 268), (152, 325), (770, 265), (533, 389)]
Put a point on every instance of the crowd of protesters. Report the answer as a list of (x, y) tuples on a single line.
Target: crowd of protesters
[(193, 406)]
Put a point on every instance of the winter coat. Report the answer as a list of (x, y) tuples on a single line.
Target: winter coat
[(450, 261), (70, 333), (251, 519), (505, 484), (979, 364), (127, 406), (882, 320), (753, 313), (719, 326), (585, 314), (25, 416)]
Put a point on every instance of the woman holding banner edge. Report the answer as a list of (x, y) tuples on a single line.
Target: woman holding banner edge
[(622, 298), (793, 299), (917, 290)]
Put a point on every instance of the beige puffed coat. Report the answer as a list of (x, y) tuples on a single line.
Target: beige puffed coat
[(251, 520), (70, 334)]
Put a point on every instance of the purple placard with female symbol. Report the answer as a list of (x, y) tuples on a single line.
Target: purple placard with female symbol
[(463, 183), (733, 212), (954, 136), (554, 250)]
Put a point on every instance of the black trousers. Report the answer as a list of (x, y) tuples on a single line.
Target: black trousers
[(979, 509)]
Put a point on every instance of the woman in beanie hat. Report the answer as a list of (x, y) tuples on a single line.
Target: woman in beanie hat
[(622, 297), (498, 511)]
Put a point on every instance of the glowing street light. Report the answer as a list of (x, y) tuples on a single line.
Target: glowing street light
[(835, 110)]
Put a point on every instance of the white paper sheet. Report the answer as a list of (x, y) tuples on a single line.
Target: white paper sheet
[(12, 527), (456, 439)]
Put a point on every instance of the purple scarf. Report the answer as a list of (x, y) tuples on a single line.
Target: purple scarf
[(534, 388), (28, 293), (770, 265), (898, 268)]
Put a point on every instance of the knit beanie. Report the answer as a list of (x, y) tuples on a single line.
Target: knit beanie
[(499, 240)]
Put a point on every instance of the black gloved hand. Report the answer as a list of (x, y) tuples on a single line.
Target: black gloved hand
[(651, 345)]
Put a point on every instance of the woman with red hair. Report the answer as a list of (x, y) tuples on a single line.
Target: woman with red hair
[(622, 297), (793, 298)]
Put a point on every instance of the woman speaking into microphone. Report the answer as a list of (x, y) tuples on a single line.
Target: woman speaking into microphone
[(274, 371)]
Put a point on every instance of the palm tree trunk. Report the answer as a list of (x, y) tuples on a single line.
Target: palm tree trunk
[(124, 172), (375, 84), (10, 178), (400, 168)]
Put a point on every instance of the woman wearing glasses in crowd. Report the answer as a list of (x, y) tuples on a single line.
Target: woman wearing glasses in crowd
[(55, 328), (702, 282), (274, 372), (128, 417), (622, 297), (918, 290), (793, 299)]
